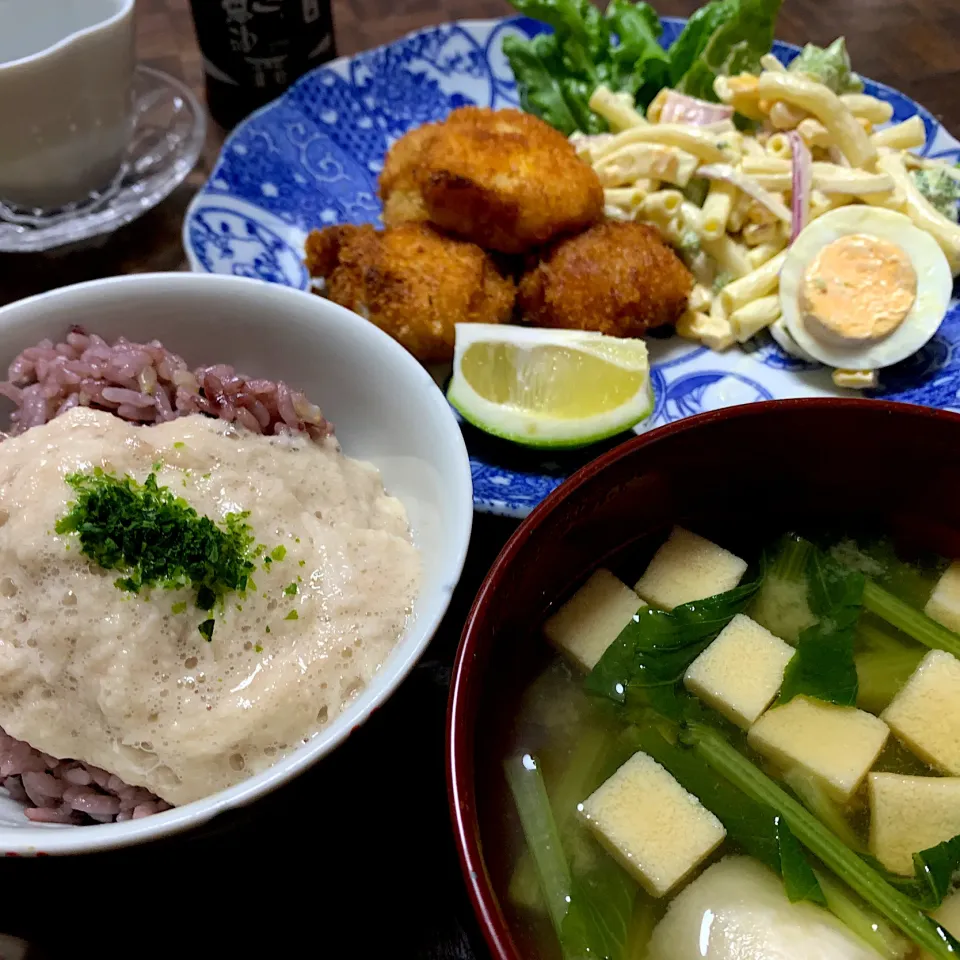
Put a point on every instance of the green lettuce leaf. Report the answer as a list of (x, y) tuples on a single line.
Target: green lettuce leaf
[(540, 90), (581, 33), (828, 65), (637, 59), (556, 73), (688, 47), (577, 93), (742, 33)]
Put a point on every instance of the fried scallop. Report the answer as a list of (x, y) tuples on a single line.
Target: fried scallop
[(616, 278), (412, 281), (502, 179)]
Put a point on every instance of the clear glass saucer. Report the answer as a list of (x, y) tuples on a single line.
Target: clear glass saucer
[(169, 130)]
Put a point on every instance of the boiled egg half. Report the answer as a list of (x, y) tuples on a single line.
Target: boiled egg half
[(863, 288)]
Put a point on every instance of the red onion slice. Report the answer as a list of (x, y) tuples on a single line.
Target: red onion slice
[(801, 183), (679, 108)]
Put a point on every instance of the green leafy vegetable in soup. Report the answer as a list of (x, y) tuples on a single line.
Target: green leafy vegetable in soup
[(761, 716), (823, 666), (157, 539), (829, 66)]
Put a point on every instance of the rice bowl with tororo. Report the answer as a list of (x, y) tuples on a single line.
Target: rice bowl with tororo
[(196, 579)]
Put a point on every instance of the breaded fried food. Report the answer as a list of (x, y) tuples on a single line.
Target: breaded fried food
[(503, 179), (398, 181), (616, 278), (412, 281)]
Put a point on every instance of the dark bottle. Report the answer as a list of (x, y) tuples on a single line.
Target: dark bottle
[(254, 49)]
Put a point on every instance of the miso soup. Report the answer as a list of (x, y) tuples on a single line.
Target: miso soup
[(741, 758)]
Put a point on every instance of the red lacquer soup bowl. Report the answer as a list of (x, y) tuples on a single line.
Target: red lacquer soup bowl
[(740, 477)]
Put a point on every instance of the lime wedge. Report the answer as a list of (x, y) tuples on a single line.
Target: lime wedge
[(549, 388)]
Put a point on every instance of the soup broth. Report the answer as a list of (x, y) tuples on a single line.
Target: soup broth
[(741, 763)]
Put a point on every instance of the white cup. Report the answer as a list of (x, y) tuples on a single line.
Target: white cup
[(66, 77)]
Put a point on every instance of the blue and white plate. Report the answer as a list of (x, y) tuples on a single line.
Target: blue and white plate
[(312, 158)]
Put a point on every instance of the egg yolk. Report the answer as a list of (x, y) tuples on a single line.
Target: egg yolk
[(858, 288)]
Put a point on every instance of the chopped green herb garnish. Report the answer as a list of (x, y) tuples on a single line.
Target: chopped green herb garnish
[(290, 590), (180, 607), (158, 465), (206, 598), (251, 585), (296, 539), (292, 615), (303, 563), (278, 553), (267, 630), (258, 648), (156, 538), (206, 630), (179, 445)]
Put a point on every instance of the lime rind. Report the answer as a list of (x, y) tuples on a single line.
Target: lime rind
[(577, 433), (541, 430)]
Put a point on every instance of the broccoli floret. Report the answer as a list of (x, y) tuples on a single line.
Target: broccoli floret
[(941, 189), (722, 278), (829, 66), (689, 243)]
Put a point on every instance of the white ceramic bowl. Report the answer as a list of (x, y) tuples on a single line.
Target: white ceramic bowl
[(385, 408)]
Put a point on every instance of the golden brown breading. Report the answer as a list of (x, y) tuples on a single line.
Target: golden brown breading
[(501, 178), (616, 278), (397, 178), (411, 281)]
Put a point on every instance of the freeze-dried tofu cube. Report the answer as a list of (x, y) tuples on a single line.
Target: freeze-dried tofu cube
[(925, 714), (655, 828), (740, 673), (910, 814), (688, 567), (838, 745), (944, 603), (592, 618)]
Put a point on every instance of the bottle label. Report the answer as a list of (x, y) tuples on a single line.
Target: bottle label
[(263, 45)]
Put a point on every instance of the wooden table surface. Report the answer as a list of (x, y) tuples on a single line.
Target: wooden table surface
[(355, 859)]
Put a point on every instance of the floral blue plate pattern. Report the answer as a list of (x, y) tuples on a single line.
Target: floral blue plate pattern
[(312, 158)]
